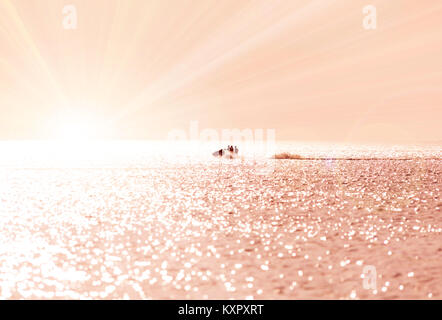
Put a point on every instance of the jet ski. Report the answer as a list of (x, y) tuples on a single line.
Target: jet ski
[(228, 153)]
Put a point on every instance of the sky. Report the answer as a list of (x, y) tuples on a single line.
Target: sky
[(139, 69)]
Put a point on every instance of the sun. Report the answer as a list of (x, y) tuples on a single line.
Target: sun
[(75, 131), (78, 127)]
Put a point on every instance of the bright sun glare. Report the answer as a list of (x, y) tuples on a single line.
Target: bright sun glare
[(74, 127), (75, 131)]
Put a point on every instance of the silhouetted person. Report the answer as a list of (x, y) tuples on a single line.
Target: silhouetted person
[(236, 150)]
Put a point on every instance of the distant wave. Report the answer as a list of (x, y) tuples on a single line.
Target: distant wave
[(293, 156), (287, 155)]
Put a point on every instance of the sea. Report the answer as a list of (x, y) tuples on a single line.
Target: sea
[(167, 220)]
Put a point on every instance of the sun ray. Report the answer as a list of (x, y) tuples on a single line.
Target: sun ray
[(24, 34), (185, 71)]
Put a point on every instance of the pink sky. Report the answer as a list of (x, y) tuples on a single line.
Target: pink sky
[(306, 68)]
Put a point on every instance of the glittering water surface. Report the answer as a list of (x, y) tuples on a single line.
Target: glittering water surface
[(163, 228)]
